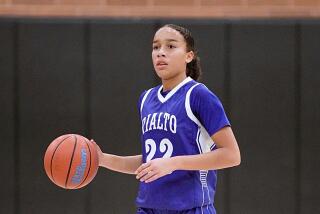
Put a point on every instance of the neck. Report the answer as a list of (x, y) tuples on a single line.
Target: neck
[(173, 82)]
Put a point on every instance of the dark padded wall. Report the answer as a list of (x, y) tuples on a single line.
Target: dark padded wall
[(263, 106), (7, 128), (80, 76), (310, 118), (51, 97)]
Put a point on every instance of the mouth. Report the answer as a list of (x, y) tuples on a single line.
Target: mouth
[(161, 64)]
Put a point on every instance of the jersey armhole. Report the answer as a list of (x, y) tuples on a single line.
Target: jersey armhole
[(204, 140), (188, 106)]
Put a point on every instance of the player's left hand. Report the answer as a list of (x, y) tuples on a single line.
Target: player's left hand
[(154, 169)]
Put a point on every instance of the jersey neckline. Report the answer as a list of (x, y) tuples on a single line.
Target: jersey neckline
[(173, 91)]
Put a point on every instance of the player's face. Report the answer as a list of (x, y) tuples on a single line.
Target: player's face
[(169, 55)]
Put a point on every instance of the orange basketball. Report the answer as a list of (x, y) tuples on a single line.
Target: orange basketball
[(71, 161)]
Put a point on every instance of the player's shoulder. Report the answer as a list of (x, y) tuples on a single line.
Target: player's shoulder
[(200, 90), (147, 91)]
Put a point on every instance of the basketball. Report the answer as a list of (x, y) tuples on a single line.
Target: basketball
[(71, 161)]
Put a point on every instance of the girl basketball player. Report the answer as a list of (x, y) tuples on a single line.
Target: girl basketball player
[(186, 135)]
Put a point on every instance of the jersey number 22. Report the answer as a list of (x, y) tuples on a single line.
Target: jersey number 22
[(165, 147)]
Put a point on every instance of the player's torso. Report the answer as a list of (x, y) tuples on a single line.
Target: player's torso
[(167, 130), (170, 128)]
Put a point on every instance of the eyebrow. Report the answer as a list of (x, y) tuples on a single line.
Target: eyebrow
[(169, 40)]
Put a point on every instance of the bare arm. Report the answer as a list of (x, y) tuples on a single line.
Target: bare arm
[(226, 155), (124, 164)]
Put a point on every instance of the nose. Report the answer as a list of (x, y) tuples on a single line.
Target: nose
[(161, 53)]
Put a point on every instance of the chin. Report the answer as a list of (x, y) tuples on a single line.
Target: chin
[(163, 74)]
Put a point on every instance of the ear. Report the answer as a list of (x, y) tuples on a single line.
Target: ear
[(189, 56)]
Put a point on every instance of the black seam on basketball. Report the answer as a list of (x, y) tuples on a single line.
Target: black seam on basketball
[(74, 148), (54, 152), (89, 165)]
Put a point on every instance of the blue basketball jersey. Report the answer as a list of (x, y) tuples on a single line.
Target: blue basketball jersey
[(179, 123)]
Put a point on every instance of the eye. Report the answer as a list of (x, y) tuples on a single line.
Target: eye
[(155, 47), (171, 46)]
